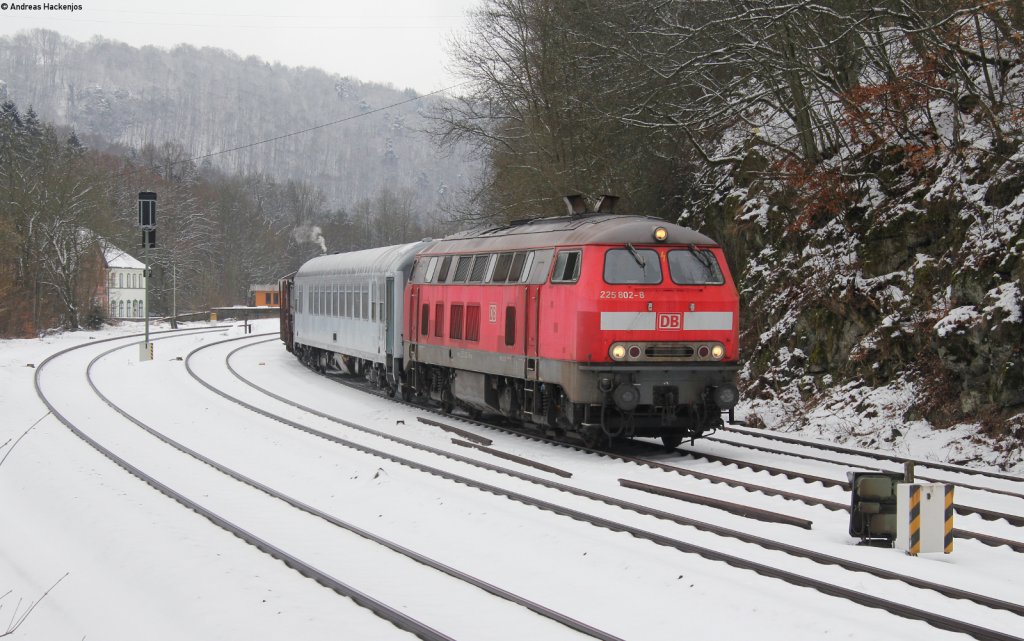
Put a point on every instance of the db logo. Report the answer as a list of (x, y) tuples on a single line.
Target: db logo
[(670, 321)]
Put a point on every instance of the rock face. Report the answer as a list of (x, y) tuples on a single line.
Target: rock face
[(913, 277)]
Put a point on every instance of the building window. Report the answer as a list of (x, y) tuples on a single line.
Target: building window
[(120, 309), (120, 281), (113, 309)]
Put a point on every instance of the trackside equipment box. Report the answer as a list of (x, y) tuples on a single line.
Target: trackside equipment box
[(924, 518)]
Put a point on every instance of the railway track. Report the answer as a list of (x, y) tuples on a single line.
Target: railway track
[(396, 614), (623, 454), (636, 532)]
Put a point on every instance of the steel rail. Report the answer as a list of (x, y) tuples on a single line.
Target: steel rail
[(946, 467), (392, 615), (870, 601)]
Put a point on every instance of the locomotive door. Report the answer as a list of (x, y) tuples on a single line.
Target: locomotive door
[(532, 401), (530, 344)]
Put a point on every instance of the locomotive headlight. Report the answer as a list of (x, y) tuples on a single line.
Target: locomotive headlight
[(660, 234), (717, 351), (618, 352)]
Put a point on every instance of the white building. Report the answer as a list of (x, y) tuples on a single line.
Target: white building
[(126, 293)]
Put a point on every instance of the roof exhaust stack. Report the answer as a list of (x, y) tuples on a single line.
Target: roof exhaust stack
[(606, 204), (575, 204)]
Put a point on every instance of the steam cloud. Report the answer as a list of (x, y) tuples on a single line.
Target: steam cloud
[(310, 234)]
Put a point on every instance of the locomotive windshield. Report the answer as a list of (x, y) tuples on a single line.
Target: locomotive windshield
[(694, 267), (632, 266)]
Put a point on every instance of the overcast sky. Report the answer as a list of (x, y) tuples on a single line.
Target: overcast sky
[(402, 42)]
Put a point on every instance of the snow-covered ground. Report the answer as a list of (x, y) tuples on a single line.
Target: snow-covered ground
[(137, 565)]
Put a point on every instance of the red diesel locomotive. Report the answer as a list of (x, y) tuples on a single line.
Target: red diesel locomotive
[(594, 326)]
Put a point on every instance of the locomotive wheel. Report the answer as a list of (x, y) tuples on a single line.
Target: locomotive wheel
[(671, 440), (593, 436)]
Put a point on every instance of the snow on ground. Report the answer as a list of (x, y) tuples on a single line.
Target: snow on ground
[(137, 565)]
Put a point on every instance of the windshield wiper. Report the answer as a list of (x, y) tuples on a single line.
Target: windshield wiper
[(702, 256), (636, 255)]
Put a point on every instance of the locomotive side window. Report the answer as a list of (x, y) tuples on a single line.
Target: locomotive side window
[(462, 269), (439, 320), (510, 326), (501, 267), (442, 273), (455, 324), (419, 271), (632, 266), (567, 267), (479, 268), (425, 319), (694, 267), (527, 266), (431, 268), (473, 323), (515, 269)]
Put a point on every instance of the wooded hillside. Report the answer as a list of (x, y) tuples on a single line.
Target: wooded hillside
[(861, 162)]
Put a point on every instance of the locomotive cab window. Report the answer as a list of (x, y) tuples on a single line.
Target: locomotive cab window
[(694, 267), (632, 266), (567, 267)]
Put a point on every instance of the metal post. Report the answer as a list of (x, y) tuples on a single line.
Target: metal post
[(145, 287)]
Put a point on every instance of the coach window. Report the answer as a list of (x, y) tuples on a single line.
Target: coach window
[(632, 266), (337, 299), (567, 267), (439, 320), (373, 303), (442, 273), (366, 302)]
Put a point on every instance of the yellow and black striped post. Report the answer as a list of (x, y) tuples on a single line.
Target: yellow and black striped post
[(948, 549), (915, 520)]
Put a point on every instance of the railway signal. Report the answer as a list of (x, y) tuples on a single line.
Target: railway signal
[(147, 222)]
